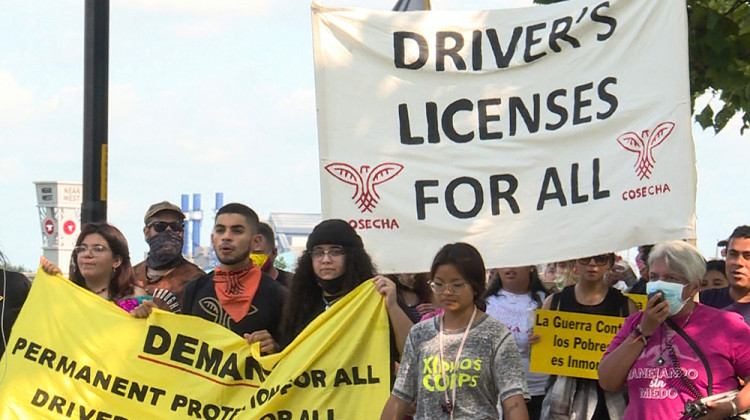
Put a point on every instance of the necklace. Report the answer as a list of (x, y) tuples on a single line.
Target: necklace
[(450, 404), (102, 290), (664, 344)]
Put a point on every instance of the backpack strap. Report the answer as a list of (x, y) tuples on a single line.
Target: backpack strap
[(696, 349), (555, 304)]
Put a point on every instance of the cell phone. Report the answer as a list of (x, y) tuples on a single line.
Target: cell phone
[(661, 296)]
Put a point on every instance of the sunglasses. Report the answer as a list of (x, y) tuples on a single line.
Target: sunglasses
[(598, 260), (160, 227)]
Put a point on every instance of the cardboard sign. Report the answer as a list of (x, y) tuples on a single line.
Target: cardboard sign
[(572, 344)]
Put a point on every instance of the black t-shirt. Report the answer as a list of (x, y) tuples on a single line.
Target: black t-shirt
[(614, 303), (14, 287), (284, 278), (199, 299)]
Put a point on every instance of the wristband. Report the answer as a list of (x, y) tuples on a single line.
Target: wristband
[(734, 407), (638, 335)]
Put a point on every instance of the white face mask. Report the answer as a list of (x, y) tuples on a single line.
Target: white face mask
[(671, 292)]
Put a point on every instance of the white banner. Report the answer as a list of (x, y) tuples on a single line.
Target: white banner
[(535, 134)]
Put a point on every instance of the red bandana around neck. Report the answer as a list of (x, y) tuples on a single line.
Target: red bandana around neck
[(236, 289)]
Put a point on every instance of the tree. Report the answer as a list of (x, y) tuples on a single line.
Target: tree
[(719, 42), (280, 263), (12, 267)]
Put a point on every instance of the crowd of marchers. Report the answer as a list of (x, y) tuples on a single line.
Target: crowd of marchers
[(461, 336)]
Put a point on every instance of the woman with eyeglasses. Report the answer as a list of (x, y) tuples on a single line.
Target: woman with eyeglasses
[(463, 363), (101, 264), (335, 263), (513, 294), (591, 295), (676, 350)]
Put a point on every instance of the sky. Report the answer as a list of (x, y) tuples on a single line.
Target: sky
[(211, 96)]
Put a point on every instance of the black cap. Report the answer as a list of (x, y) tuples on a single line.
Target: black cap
[(334, 232)]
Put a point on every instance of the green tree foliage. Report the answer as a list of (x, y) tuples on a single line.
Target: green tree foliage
[(280, 263), (719, 39), (17, 268)]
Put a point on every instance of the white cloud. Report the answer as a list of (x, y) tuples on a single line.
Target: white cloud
[(16, 102), (299, 102), (65, 98), (197, 30), (123, 101), (11, 169), (226, 8)]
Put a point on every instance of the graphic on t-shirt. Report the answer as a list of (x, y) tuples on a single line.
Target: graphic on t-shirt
[(212, 307), (467, 373), (663, 378)]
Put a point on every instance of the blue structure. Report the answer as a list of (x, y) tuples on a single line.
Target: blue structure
[(203, 256), (185, 206), (196, 216)]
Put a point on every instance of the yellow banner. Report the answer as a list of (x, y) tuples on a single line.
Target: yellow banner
[(74, 355), (640, 300), (571, 344)]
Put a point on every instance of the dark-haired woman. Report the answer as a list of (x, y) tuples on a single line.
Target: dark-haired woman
[(514, 293), (591, 295), (333, 264), (101, 264), (414, 293), (462, 363)]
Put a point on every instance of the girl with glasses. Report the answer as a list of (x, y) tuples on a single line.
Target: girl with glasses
[(591, 295), (463, 363), (101, 264), (335, 263)]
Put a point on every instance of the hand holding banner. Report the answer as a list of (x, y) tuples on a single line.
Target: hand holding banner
[(74, 355)]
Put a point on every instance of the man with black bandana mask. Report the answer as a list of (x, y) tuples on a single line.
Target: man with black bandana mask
[(237, 294), (165, 272)]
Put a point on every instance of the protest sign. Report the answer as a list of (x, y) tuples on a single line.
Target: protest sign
[(640, 300), (536, 134), (572, 344), (72, 354)]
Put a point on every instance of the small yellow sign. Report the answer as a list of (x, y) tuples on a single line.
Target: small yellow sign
[(571, 344), (640, 300)]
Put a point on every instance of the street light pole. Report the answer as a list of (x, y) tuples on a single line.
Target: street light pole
[(95, 111)]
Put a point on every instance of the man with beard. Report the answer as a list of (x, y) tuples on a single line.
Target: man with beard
[(238, 295), (267, 246), (165, 272)]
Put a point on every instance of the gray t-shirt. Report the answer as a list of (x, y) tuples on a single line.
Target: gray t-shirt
[(489, 370)]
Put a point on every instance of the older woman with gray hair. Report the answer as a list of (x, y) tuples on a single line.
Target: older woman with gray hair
[(676, 352)]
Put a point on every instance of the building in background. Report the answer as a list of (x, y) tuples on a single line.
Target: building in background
[(59, 205), (292, 229)]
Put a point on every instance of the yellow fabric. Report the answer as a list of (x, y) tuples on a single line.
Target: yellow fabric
[(72, 354), (259, 259)]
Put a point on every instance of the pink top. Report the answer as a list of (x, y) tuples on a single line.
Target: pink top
[(656, 392)]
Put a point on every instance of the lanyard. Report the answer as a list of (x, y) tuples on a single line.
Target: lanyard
[(450, 403)]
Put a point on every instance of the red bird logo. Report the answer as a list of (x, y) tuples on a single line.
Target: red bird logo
[(632, 142), (364, 180)]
